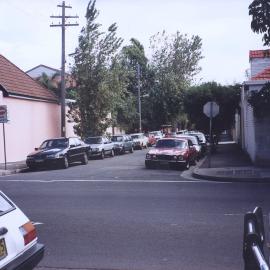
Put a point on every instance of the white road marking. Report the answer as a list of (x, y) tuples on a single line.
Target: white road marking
[(114, 181)]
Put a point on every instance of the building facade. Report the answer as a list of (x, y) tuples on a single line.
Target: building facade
[(256, 131)]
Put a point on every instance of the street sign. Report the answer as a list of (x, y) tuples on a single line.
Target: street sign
[(211, 109), (3, 114)]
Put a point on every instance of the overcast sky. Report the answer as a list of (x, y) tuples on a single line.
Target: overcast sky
[(224, 26)]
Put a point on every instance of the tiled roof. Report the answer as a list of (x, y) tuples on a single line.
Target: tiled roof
[(17, 82), (264, 75), (259, 54)]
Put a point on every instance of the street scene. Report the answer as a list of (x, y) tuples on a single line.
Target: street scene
[(115, 214), (135, 136)]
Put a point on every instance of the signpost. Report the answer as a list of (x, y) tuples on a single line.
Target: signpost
[(210, 109), (3, 120)]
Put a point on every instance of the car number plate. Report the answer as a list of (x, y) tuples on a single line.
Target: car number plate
[(39, 160), (3, 249), (163, 162)]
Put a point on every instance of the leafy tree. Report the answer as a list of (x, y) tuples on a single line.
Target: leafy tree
[(131, 56), (54, 85), (260, 12), (97, 75), (227, 97), (174, 63)]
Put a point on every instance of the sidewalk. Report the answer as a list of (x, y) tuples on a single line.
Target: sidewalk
[(12, 167), (230, 163)]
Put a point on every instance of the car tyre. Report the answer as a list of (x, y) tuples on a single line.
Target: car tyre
[(123, 151), (32, 167), (187, 165), (85, 159), (149, 165), (102, 155), (65, 163)]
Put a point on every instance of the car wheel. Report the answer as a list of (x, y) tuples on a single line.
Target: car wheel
[(65, 163), (187, 165), (112, 153), (193, 162), (149, 165), (131, 149), (123, 150), (32, 167), (102, 155), (84, 159)]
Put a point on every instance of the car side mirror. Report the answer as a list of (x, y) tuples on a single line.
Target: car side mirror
[(72, 145), (36, 148)]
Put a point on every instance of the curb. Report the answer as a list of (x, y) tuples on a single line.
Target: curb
[(10, 172), (198, 175)]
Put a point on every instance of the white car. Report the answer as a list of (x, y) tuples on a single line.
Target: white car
[(157, 134), (19, 248), (140, 141)]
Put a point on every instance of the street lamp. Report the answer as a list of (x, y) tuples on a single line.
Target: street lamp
[(139, 97)]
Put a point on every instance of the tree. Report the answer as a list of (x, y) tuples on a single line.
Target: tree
[(227, 97), (131, 56), (174, 63), (260, 12), (98, 77)]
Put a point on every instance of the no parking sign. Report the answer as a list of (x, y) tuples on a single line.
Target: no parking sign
[(3, 114)]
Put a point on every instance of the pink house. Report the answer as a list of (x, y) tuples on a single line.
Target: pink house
[(33, 112)]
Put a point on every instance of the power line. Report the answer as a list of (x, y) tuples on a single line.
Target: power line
[(63, 24)]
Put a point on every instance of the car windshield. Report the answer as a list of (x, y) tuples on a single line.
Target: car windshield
[(94, 140), (117, 139), (170, 144), (56, 143)]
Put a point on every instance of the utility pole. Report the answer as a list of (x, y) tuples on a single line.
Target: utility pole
[(63, 25), (139, 97)]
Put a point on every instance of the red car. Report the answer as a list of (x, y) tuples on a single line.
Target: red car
[(171, 151)]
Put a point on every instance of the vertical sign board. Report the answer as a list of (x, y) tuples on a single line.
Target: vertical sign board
[(210, 109), (3, 120)]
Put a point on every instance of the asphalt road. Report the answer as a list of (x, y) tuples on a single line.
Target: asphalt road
[(113, 214)]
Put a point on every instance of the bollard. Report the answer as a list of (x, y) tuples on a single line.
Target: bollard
[(253, 242)]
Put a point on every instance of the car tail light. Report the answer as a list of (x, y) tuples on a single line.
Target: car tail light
[(29, 233)]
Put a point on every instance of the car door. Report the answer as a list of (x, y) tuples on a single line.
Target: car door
[(106, 145), (72, 151)]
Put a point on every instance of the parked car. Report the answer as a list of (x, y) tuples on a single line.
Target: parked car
[(195, 142), (157, 134), (19, 247), (100, 146), (122, 143), (202, 140), (140, 140), (151, 139), (58, 152), (171, 151)]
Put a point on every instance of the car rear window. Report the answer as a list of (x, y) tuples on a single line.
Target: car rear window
[(5, 205), (170, 144)]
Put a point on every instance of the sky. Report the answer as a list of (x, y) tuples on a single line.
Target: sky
[(27, 39)]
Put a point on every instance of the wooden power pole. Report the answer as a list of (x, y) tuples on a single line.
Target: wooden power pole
[(63, 25)]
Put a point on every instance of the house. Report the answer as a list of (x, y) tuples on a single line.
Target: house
[(255, 137), (33, 112)]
